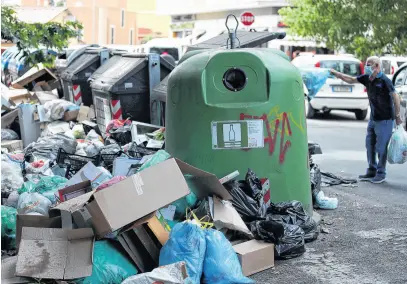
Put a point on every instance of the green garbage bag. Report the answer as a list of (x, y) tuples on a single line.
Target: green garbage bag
[(110, 265), (157, 158), (8, 227), (47, 186)]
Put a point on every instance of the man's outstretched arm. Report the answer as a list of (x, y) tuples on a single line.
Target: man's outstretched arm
[(346, 78)]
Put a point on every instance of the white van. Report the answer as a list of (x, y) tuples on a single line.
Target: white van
[(336, 94)]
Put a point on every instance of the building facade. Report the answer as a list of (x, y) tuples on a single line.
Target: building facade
[(199, 20), (119, 22)]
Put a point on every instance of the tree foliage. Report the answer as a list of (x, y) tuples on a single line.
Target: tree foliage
[(362, 27), (29, 37)]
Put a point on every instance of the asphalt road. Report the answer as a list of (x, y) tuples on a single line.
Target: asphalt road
[(367, 239)]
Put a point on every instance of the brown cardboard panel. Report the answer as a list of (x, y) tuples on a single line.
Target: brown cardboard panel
[(55, 253), (158, 230), (33, 74), (255, 256), (9, 118)]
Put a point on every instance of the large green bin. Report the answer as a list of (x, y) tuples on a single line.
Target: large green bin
[(236, 109)]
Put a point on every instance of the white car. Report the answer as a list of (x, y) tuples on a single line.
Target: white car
[(400, 83), (390, 64), (336, 94)]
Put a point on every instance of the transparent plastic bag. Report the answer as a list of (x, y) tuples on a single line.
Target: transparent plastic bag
[(168, 274), (186, 243), (110, 265), (314, 79), (11, 176), (8, 227), (157, 158), (221, 265), (8, 134), (33, 202), (397, 149)]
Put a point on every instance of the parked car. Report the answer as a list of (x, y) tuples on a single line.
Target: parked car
[(390, 64), (400, 84), (336, 94)]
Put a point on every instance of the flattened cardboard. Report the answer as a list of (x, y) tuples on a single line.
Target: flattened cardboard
[(12, 145), (35, 221), (88, 172), (8, 270), (255, 256), (55, 253), (71, 205), (83, 113)]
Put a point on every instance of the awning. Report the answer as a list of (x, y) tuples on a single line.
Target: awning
[(303, 43)]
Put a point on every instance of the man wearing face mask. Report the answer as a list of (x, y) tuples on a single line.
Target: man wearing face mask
[(385, 107)]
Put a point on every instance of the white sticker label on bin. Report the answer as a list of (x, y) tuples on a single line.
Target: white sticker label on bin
[(238, 134), (128, 85), (138, 183), (87, 74)]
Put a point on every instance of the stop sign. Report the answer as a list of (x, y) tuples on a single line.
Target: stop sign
[(247, 18)]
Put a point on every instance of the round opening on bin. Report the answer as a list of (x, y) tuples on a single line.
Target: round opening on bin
[(234, 79)]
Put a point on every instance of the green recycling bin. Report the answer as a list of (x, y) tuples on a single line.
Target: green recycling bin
[(236, 109)]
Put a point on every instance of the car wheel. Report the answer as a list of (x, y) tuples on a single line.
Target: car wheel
[(310, 111), (361, 114)]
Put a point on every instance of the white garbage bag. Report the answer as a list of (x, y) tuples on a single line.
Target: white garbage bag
[(397, 149)]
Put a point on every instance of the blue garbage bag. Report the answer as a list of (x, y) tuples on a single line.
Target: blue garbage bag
[(314, 79), (221, 265), (186, 243), (110, 265)]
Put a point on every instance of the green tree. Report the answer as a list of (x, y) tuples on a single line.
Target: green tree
[(362, 27), (28, 37)]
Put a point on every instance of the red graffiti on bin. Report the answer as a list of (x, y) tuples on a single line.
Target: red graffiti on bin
[(272, 139)]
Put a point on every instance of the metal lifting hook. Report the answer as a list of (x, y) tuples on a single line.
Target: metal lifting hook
[(232, 33)]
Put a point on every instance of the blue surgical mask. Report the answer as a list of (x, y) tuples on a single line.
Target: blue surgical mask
[(380, 74), (368, 70)]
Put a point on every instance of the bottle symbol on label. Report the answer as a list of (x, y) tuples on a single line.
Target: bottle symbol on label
[(232, 136)]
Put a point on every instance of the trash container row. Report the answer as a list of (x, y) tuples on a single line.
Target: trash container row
[(118, 84)]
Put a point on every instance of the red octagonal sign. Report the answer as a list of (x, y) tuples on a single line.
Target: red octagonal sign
[(247, 18)]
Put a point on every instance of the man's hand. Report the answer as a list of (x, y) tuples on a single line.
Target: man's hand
[(334, 72), (398, 120)]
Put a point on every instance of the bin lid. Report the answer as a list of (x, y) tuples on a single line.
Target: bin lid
[(160, 91), (126, 66), (247, 40), (79, 64), (104, 67)]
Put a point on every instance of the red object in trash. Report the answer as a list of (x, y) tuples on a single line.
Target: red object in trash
[(247, 18), (38, 164)]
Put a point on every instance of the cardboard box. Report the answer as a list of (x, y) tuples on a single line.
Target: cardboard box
[(75, 190), (17, 97), (9, 118), (12, 145), (73, 209), (37, 74), (8, 271), (55, 253), (145, 192), (35, 221), (255, 256)]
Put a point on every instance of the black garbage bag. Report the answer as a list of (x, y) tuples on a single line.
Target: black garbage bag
[(316, 178), (293, 213), (291, 244), (253, 187), (267, 230), (247, 207)]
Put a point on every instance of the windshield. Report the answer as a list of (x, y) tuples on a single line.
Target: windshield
[(163, 50), (347, 67)]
